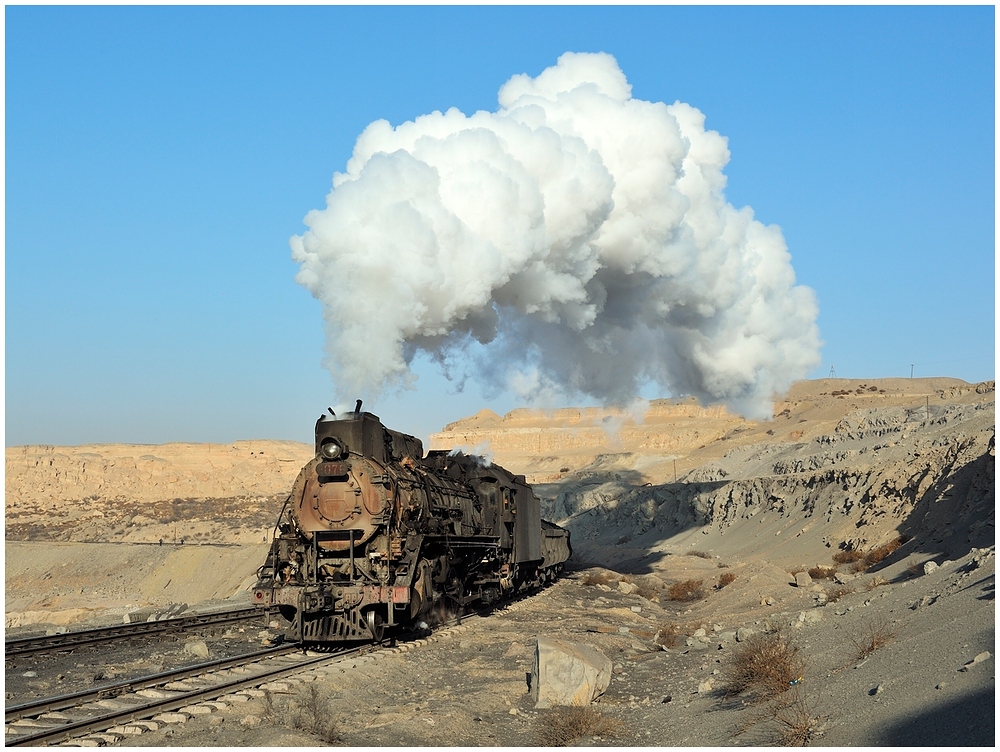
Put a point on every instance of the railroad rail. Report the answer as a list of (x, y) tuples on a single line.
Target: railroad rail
[(69, 640), (43, 722)]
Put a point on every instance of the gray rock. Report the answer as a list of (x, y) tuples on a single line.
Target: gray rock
[(930, 566), (197, 648), (744, 633), (984, 656), (842, 578), (568, 673), (803, 580), (628, 588)]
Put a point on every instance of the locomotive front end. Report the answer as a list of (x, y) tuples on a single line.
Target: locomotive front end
[(329, 569)]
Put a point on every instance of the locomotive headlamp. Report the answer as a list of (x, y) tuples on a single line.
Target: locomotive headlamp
[(332, 450)]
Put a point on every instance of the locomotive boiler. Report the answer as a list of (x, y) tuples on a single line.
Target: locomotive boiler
[(376, 536)]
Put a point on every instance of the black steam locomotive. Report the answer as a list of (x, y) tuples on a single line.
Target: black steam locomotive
[(376, 536)]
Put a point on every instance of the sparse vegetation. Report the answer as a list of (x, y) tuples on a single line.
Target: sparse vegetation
[(726, 578), (822, 573), (789, 720), (882, 552), (309, 711), (688, 590), (764, 666), (834, 594), (875, 633), (700, 554), (563, 725), (669, 635), (848, 556)]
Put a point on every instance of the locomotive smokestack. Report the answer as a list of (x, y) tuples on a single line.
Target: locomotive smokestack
[(577, 240), (357, 409)]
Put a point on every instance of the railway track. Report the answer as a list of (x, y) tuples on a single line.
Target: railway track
[(82, 638), (131, 703)]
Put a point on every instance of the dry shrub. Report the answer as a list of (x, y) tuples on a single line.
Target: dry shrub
[(764, 666), (649, 587), (834, 594), (874, 633), (701, 554), (822, 573), (311, 712), (688, 590), (788, 720), (726, 578), (860, 566), (877, 582), (566, 723), (668, 635), (881, 552), (848, 557)]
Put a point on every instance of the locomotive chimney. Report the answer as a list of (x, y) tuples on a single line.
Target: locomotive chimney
[(357, 409)]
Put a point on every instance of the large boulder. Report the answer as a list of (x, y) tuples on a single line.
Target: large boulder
[(568, 673)]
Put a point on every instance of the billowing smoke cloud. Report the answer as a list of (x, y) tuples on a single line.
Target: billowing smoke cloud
[(580, 236)]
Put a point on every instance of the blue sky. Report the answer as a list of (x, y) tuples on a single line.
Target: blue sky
[(159, 159)]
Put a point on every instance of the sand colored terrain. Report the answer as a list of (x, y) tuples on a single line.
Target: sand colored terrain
[(681, 494)]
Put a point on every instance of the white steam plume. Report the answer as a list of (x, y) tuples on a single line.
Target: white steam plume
[(581, 236)]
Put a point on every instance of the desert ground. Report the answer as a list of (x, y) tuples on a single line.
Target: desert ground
[(882, 489)]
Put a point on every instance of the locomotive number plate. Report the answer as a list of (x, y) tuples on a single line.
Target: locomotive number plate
[(331, 469)]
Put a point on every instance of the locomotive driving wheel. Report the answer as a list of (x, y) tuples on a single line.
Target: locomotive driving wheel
[(375, 625)]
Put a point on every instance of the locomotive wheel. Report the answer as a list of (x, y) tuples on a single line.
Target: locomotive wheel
[(375, 625)]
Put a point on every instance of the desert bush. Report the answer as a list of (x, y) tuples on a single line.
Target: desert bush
[(788, 720), (881, 552), (822, 573), (848, 556), (877, 582), (649, 587), (700, 554), (834, 594), (874, 633), (668, 635), (566, 723), (311, 712), (726, 578), (688, 590), (764, 666)]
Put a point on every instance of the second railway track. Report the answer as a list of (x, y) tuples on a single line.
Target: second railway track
[(70, 640)]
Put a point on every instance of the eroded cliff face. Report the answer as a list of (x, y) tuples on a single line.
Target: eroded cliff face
[(146, 493), (844, 464)]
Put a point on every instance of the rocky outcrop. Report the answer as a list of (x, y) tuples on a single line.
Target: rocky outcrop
[(568, 673)]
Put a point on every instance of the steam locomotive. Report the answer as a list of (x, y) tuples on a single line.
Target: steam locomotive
[(374, 536)]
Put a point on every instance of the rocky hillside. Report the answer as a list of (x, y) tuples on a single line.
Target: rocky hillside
[(845, 464)]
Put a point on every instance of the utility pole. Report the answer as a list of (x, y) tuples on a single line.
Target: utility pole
[(911, 370), (833, 373)]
